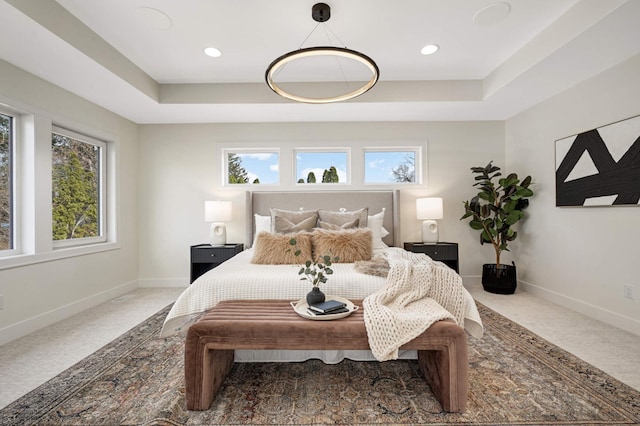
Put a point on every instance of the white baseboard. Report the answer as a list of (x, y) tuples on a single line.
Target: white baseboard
[(608, 317), (163, 282), (37, 322), (472, 280)]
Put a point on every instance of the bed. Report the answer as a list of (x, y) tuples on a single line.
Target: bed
[(239, 278)]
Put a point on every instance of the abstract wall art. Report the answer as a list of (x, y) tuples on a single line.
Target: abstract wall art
[(600, 167)]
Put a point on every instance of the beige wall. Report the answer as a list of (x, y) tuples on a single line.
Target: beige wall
[(573, 256), (40, 293), (578, 257), (179, 167)]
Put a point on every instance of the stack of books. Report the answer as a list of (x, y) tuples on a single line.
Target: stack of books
[(328, 307)]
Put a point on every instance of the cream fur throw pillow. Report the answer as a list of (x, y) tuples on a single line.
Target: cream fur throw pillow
[(377, 266), (349, 245), (274, 249)]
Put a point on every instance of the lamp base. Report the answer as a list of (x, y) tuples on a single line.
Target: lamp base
[(429, 231), (218, 234)]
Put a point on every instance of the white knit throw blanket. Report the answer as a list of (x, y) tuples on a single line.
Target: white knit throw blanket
[(419, 292)]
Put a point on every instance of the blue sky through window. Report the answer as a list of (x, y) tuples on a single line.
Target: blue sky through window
[(378, 165), (318, 162), (261, 165)]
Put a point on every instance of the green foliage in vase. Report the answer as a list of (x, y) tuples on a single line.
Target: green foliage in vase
[(314, 271)]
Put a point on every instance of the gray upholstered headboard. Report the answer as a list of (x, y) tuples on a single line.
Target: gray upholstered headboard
[(261, 203)]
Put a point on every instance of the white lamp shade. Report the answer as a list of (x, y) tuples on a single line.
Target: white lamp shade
[(217, 211), (429, 208)]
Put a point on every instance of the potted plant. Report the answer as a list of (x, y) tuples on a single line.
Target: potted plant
[(494, 212), (314, 271)]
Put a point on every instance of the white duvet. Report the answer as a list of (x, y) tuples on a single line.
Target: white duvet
[(238, 278)]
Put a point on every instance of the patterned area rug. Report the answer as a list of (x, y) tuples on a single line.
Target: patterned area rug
[(516, 378)]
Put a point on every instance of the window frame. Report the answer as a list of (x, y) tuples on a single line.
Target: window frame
[(416, 149), (244, 151), (14, 223), (320, 184), (102, 190)]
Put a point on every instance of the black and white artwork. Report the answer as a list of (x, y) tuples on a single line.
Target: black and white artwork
[(600, 167)]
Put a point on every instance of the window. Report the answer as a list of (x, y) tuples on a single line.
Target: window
[(252, 167), (391, 165), (7, 136), (322, 167), (78, 208)]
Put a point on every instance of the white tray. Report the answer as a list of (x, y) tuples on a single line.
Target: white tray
[(301, 309)]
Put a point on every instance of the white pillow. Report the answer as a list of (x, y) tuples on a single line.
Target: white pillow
[(377, 230), (263, 224)]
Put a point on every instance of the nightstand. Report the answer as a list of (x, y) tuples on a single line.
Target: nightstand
[(205, 257), (446, 253)]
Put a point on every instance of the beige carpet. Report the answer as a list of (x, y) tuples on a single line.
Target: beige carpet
[(515, 378)]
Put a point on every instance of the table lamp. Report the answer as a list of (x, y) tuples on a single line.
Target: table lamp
[(429, 209), (217, 212)]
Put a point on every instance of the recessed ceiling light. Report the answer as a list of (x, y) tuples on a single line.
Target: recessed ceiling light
[(213, 52), (430, 49)]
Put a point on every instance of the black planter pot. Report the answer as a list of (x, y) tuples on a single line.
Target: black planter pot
[(315, 296), (500, 280)]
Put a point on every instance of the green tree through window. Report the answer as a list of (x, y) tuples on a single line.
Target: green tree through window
[(75, 187), (237, 173), (330, 176), (6, 225)]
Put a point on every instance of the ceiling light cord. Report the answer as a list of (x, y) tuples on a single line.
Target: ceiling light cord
[(326, 29)]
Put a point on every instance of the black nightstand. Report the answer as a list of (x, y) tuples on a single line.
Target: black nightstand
[(446, 253), (205, 257)]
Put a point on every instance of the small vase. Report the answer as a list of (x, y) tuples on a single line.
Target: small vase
[(315, 296)]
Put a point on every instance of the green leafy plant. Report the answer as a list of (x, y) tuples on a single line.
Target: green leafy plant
[(497, 207), (314, 271)]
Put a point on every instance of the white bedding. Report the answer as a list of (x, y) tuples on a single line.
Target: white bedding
[(238, 278)]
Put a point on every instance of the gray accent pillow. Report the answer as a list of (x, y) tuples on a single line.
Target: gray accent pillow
[(333, 227), (283, 221), (284, 226), (341, 217)]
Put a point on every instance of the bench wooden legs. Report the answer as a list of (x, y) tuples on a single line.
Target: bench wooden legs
[(204, 373), (272, 324), (445, 371)]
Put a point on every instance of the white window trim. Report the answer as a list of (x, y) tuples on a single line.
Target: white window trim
[(32, 183), (419, 161)]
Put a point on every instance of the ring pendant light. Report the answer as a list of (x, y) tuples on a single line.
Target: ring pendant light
[(321, 13)]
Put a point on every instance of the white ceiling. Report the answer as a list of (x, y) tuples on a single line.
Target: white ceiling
[(143, 59)]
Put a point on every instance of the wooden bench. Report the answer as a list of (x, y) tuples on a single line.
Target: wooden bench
[(273, 324)]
